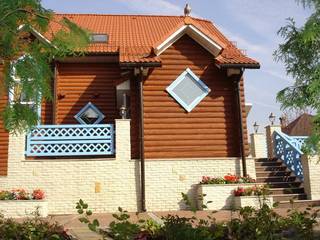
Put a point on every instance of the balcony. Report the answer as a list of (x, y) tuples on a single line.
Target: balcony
[(70, 140)]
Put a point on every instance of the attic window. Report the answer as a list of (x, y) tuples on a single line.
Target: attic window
[(89, 114), (188, 90), (99, 38)]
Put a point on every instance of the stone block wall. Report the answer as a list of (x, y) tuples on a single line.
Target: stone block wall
[(106, 183), (258, 145), (311, 174)]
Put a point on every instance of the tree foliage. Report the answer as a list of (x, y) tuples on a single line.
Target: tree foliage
[(300, 53), (28, 59)]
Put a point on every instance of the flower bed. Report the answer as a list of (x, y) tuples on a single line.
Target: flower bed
[(227, 179), (217, 192), (20, 203), (254, 196)]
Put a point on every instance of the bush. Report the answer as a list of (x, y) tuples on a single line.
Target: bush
[(251, 224), (33, 228)]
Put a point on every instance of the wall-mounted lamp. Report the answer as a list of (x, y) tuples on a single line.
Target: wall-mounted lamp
[(145, 71), (272, 118), (256, 127), (123, 108)]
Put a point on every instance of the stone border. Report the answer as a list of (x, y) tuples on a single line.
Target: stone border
[(219, 195), (253, 201), (23, 208)]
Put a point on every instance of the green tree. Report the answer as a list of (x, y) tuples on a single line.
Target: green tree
[(300, 53), (28, 59)]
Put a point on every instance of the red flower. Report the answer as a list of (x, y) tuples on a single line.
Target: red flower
[(239, 191), (38, 194), (230, 178)]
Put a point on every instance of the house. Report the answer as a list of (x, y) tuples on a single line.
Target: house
[(301, 126), (156, 103)]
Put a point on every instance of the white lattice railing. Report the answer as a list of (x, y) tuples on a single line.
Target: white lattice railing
[(71, 140), (288, 149)]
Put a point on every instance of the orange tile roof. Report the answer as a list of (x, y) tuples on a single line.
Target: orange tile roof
[(135, 36)]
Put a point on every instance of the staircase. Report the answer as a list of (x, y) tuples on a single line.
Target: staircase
[(284, 185)]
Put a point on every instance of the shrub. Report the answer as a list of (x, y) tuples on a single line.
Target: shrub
[(251, 224), (33, 228)]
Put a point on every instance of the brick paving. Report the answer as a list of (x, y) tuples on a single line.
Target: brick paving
[(81, 232)]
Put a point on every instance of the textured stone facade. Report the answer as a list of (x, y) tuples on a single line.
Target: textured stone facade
[(258, 145), (220, 195), (269, 136), (23, 208), (311, 174), (107, 183)]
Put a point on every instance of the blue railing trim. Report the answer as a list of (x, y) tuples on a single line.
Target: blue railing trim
[(289, 141), (76, 140), (293, 161)]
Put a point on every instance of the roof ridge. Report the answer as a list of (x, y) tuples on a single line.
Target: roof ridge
[(133, 15)]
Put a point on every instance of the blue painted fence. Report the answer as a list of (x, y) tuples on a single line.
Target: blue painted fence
[(288, 149), (71, 140)]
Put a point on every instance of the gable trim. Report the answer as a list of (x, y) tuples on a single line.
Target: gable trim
[(37, 34), (206, 42)]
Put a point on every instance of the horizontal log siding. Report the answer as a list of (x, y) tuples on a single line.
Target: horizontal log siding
[(46, 112), (80, 83), (210, 129), (4, 135)]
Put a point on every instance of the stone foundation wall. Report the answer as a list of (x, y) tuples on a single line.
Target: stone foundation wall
[(107, 183)]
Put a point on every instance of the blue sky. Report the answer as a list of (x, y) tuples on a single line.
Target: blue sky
[(253, 24)]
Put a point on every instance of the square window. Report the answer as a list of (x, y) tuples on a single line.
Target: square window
[(188, 90), (89, 114)]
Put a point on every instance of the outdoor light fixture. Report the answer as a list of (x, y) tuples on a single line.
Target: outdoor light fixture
[(272, 118), (256, 127), (123, 108)]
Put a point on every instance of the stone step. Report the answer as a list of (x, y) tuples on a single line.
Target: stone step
[(270, 164), (270, 168), (277, 191), (273, 173), (298, 203), (276, 179), (267, 159), (284, 184), (288, 197)]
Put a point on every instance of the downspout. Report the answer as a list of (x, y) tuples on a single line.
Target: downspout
[(54, 100), (142, 163), (240, 120)]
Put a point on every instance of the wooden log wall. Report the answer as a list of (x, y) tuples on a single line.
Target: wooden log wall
[(80, 83), (4, 135), (210, 129)]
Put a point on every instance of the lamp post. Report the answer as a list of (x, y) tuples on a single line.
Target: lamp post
[(256, 127), (272, 118)]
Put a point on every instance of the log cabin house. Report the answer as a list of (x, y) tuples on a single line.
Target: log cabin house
[(156, 103)]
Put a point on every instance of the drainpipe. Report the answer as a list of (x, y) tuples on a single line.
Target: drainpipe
[(142, 163), (240, 120)]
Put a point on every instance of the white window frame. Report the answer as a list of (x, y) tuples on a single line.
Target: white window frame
[(101, 116), (197, 80), (12, 97)]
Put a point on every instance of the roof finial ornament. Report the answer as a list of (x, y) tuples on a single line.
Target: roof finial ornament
[(187, 10)]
